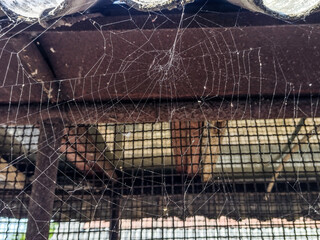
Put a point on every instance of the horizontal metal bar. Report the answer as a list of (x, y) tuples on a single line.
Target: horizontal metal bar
[(152, 111), (284, 205)]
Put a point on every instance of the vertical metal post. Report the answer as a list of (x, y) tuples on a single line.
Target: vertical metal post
[(114, 223), (45, 176)]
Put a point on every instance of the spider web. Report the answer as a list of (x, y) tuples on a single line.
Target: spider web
[(195, 123)]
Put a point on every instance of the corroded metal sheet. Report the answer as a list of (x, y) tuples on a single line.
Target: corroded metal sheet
[(137, 73), (200, 63), (24, 75)]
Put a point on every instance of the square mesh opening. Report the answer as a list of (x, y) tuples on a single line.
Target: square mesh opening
[(237, 179)]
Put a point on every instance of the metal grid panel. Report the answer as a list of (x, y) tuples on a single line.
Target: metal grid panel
[(197, 180)]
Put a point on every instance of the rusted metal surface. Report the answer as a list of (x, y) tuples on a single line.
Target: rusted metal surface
[(24, 74), (14, 86), (186, 138), (35, 63), (43, 187), (207, 61), (216, 109), (82, 147), (219, 66), (202, 63), (215, 136)]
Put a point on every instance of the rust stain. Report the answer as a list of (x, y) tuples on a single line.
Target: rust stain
[(186, 137)]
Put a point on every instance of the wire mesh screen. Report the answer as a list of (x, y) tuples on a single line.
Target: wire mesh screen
[(245, 179)]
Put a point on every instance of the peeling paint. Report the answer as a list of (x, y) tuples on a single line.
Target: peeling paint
[(34, 73)]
